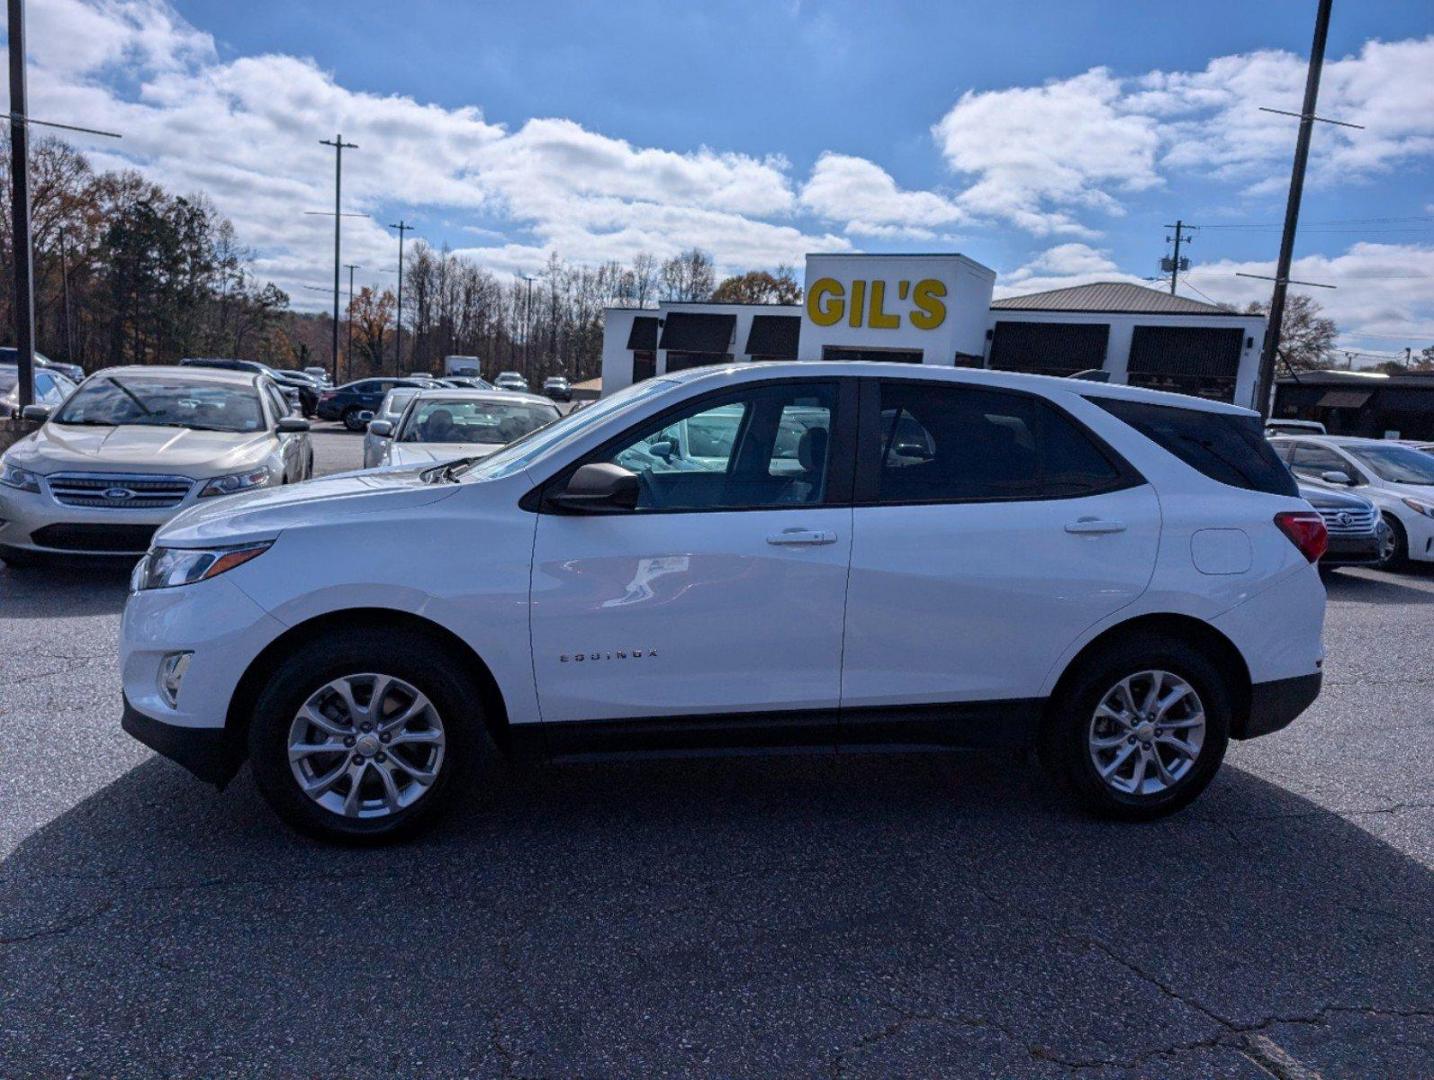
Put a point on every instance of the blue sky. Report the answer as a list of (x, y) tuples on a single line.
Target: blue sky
[(1051, 141)]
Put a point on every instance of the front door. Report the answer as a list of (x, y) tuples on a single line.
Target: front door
[(722, 592), (990, 531)]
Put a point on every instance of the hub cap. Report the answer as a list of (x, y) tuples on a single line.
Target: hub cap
[(366, 746), (1146, 733)]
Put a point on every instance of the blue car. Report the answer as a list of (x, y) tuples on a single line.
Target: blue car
[(350, 401)]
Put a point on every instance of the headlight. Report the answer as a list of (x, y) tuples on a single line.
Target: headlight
[(163, 568), (235, 482), (1419, 506), (16, 477)]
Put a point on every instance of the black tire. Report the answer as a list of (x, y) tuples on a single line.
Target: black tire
[(414, 659), (1065, 751), (351, 418), (1399, 560), (19, 558)]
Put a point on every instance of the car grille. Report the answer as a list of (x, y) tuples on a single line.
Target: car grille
[(119, 491), (1349, 522), (106, 539)]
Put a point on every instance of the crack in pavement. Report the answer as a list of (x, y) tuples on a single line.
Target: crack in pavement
[(59, 929)]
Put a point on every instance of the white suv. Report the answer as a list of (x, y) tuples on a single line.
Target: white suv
[(832, 556)]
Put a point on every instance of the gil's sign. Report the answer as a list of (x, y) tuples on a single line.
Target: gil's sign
[(828, 301)]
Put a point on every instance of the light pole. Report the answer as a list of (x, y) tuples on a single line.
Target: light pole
[(349, 348), (528, 328), (337, 142), (402, 228)]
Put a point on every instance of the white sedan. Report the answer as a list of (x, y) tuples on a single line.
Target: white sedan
[(445, 425), (132, 447)]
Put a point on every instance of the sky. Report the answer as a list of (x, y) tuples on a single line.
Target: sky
[(1052, 141)]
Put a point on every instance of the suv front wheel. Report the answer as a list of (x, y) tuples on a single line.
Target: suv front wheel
[(1140, 730)]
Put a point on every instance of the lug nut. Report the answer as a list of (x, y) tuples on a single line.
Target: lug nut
[(1131, 739), (382, 756), (384, 737), (1145, 746), (358, 759), (348, 740), (365, 727)]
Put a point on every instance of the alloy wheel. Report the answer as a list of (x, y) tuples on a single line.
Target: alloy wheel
[(366, 745), (1146, 733)]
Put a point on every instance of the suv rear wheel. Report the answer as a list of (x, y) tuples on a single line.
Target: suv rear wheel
[(1140, 729), (359, 738)]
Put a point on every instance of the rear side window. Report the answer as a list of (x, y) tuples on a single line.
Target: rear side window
[(1229, 449), (954, 443)]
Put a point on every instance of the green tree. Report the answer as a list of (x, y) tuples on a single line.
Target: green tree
[(760, 287)]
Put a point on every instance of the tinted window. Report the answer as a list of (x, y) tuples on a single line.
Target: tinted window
[(366, 387), (1397, 464), (277, 401), (1312, 459), (1228, 448), (767, 446), (959, 444)]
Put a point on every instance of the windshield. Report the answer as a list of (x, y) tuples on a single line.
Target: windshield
[(8, 378), (464, 420), (1396, 464), (523, 452), (109, 401)]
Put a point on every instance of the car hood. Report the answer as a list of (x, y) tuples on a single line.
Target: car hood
[(430, 453), (330, 501), (140, 449), (1328, 499)]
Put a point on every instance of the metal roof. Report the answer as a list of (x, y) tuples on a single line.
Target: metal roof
[(1109, 297)]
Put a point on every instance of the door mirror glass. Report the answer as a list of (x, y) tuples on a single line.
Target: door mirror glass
[(292, 425), (366, 415), (382, 428), (598, 488)]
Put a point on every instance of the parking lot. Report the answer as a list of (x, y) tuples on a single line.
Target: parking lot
[(873, 916)]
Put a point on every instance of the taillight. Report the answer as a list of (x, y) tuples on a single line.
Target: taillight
[(1306, 531), (328, 395)]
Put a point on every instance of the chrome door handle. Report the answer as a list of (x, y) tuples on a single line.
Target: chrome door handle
[(802, 537), (1094, 526)]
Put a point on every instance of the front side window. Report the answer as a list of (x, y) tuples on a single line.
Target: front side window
[(766, 446), (1313, 460), (114, 401), (953, 443), (1396, 464)]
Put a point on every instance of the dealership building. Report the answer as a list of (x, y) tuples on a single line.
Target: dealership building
[(938, 309)]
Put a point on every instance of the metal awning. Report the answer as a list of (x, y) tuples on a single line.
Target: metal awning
[(643, 335), (700, 332), (775, 336), (1344, 399)]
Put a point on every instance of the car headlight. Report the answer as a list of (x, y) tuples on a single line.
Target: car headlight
[(1419, 506), (235, 482), (16, 477), (164, 568)]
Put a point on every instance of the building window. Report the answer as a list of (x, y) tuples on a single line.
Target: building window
[(888, 356), (1197, 360), (1048, 348), (681, 361), (644, 364)]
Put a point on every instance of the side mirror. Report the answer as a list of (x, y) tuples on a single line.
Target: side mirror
[(292, 425), (382, 428), (36, 413), (1337, 476), (598, 489)]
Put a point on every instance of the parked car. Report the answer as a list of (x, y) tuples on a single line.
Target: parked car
[(1397, 479), (1358, 535), (132, 447), (302, 397), (72, 374), (386, 416), (511, 380), (51, 388), (350, 401), (1123, 578), (444, 425), (1275, 426), (557, 388), (320, 375)]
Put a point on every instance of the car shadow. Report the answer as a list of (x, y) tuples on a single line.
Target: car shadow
[(64, 589), (1405, 588), (737, 916)]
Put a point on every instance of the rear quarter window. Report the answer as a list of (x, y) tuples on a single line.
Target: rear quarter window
[(1228, 449)]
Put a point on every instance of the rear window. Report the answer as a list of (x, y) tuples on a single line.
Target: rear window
[(1230, 449)]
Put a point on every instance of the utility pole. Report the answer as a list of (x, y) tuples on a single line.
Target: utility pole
[(402, 228), (349, 348), (1175, 267), (24, 268), (1292, 210), (65, 283), (337, 142), (527, 328)]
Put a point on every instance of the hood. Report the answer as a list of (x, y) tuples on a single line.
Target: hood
[(1322, 498), (262, 515), (432, 453), (140, 449)]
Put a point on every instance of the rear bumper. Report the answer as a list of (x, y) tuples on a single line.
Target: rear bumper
[(208, 753), (1274, 705)]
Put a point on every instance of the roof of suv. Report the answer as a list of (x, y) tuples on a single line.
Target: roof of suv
[(1011, 380)]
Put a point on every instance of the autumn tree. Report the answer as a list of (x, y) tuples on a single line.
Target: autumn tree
[(760, 287)]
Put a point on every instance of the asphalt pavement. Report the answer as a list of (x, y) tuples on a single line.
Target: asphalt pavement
[(796, 916)]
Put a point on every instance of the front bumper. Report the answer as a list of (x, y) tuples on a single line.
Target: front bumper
[(1351, 550), (208, 753), (1274, 705), (76, 530)]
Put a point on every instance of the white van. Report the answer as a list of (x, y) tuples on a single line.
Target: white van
[(470, 366)]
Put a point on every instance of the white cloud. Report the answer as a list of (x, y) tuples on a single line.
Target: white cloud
[(866, 199), (1061, 267)]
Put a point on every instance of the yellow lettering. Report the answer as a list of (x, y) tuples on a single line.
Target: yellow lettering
[(858, 294), (877, 318), (932, 309), (830, 313)]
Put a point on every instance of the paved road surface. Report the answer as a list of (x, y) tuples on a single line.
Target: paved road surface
[(878, 916)]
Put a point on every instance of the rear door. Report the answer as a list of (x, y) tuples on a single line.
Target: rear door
[(990, 530)]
